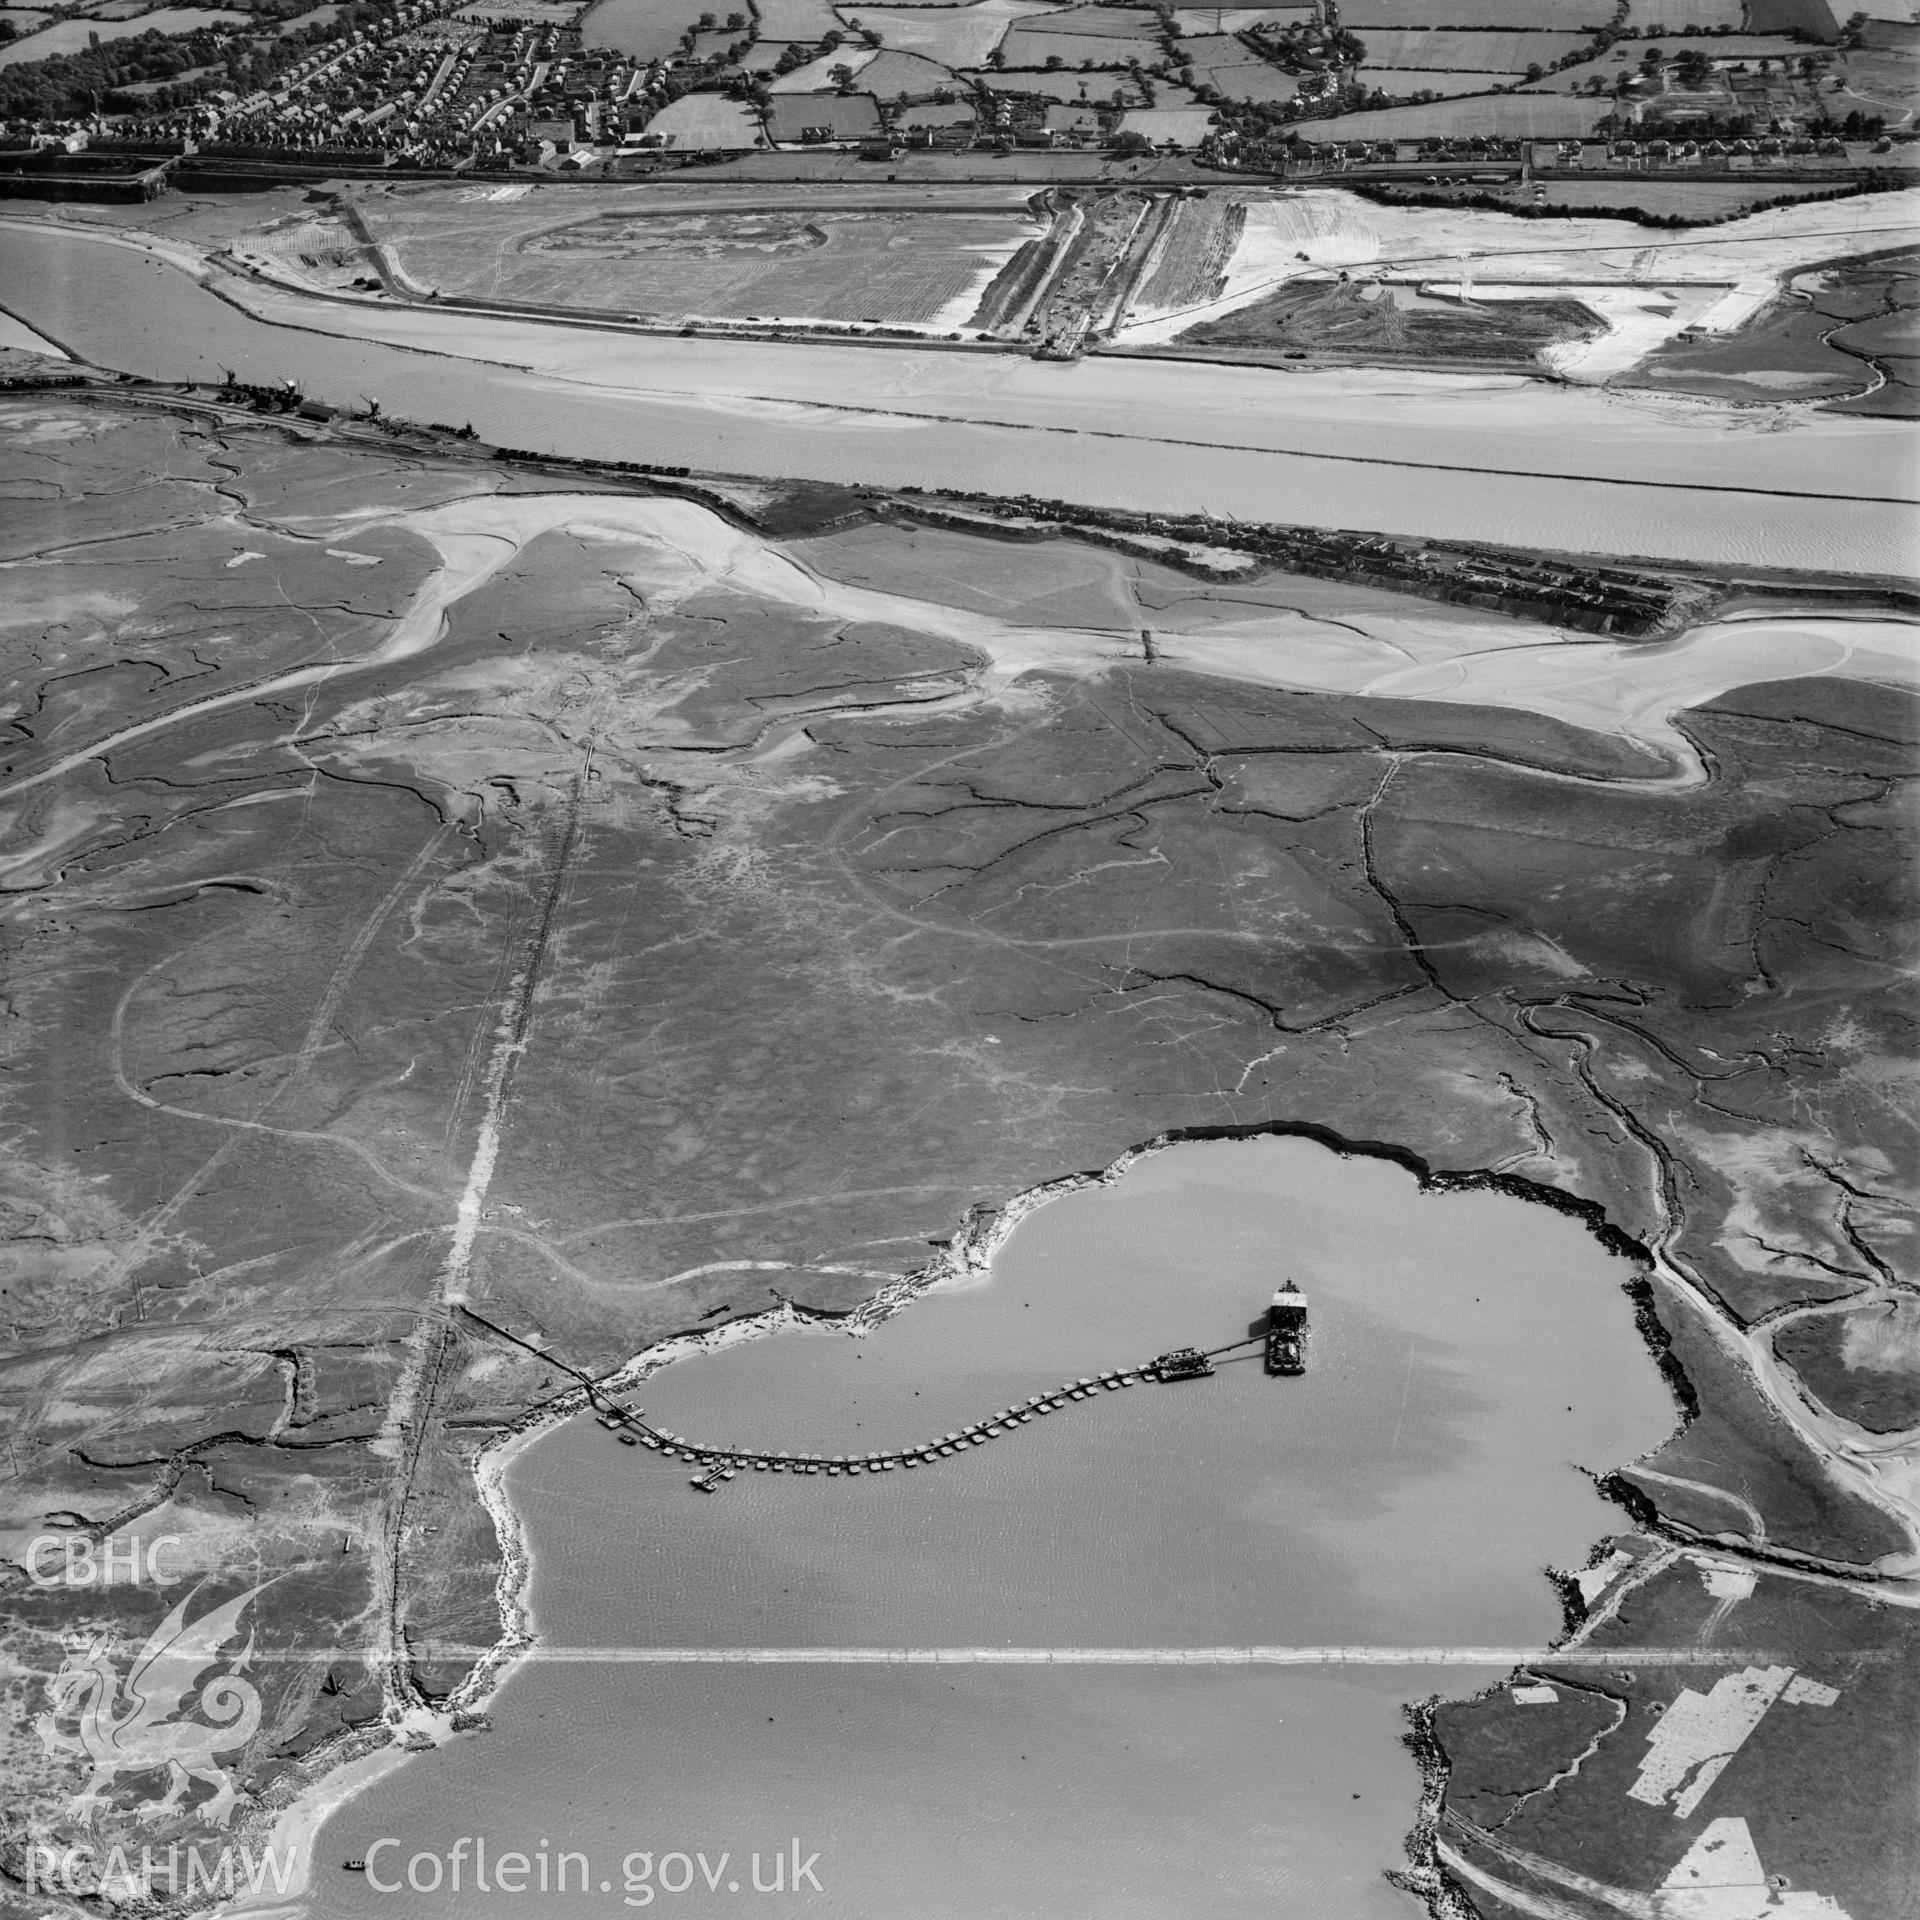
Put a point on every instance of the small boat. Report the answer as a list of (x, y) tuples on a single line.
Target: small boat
[(353, 1866)]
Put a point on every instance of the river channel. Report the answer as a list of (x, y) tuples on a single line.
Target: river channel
[(1470, 1353), (1507, 460)]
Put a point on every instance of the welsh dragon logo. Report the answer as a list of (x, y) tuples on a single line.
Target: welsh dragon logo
[(139, 1727)]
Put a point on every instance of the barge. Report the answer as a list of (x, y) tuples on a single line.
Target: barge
[(1287, 1332), (1183, 1363)]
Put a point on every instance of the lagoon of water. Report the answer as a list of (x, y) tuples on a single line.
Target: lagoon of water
[(1319, 450), (1470, 1354)]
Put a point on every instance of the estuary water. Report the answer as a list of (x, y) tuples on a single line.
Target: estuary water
[(1470, 1354), (1503, 460)]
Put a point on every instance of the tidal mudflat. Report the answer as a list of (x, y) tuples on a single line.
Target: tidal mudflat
[(590, 917)]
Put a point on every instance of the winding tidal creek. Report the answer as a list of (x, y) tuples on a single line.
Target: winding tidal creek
[(1380, 1518)]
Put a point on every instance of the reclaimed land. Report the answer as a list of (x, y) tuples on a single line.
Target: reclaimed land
[(1848, 334), (1537, 1814), (675, 253), (1339, 323), (432, 895)]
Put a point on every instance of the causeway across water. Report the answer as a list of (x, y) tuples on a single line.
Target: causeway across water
[(720, 1464)]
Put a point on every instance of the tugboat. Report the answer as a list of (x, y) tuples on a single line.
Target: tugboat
[(1287, 1332)]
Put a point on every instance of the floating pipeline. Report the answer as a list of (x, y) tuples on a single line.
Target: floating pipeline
[(717, 1465)]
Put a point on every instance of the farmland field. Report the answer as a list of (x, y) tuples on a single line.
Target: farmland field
[(853, 116), (1734, 46), (1475, 52), (893, 74), (1611, 65), (706, 123), (1024, 48), (799, 259), (1184, 126), (1882, 82), (958, 114), (1068, 84), (1197, 20), (1219, 50), (795, 19), (817, 75), (1399, 82), (71, 36), (641, 29), (1506, 116), (1566, 15), (1249, 83), (1781, 16), (1651, 16), (1623, 58), (1135, 23), (954, 36)]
